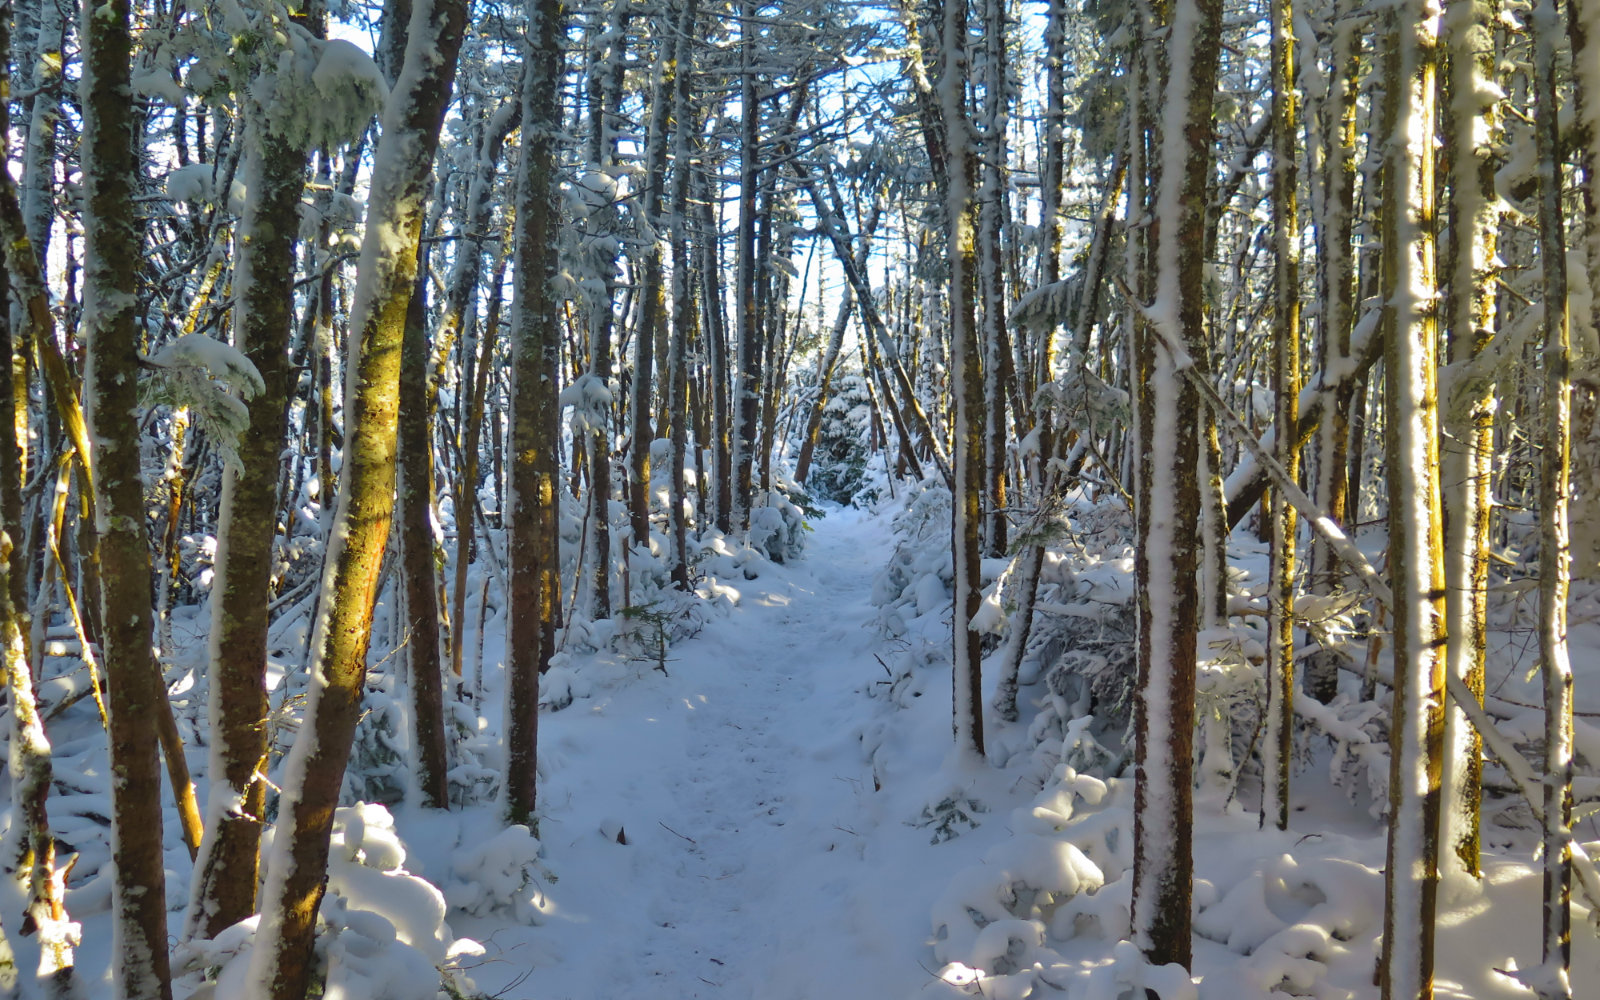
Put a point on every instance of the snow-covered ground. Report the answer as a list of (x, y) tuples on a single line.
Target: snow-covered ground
[(777, 816), (714, 830)]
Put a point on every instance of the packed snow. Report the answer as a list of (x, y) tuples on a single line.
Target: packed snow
[(773, 811)]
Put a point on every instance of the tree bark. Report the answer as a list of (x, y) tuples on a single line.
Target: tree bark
[(536, 347), (1167, 498), (1278, 748), (1416, 544), (112, 251), (224, 890), (966, 384), (280, 965), (415, 499), (1555, 554)]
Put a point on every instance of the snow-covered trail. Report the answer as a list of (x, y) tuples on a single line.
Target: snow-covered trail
[(746, 805)]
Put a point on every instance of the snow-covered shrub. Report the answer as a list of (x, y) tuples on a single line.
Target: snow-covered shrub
[(381, 932), (212, 380), (500, 875), (1058, 878), (916, 581), (379, 763), (778, 524), (1291, 920)]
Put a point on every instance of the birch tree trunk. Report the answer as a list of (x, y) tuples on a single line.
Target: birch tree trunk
[(280, 965)]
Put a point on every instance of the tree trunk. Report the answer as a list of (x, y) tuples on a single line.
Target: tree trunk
[(747, 370), (224, 890), (682, 300), (536, 348), (1415, 537), (991, 277), (1467, 445), (416, 551), (1555, 555), (280, 965), (1278, 748), (966, 386), (1168, 490)]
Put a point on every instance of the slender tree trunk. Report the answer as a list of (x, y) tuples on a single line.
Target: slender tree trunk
[(1278, 747), (112, 246), (682, 298), (536, 348), (747, 371), (1334, 223), (1555, 554), (415, 501), (991, 277), (223, 893), (1415, 535), (280, 965), (1168, 492), (716, 334), (966, 383), (1467, 446)]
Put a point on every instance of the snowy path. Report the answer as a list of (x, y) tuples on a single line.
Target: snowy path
[(746, 804)]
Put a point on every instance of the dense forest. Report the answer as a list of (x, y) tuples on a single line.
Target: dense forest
[(1224, 375)]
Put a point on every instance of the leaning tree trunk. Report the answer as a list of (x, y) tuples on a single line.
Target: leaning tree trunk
[(1416, 544), (112, 252), (280, 966)]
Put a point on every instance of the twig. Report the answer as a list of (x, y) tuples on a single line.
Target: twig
[(676, 833)]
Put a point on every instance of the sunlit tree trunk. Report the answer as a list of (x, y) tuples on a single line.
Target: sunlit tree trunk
[(1467, 444), (313, 773), (224, 890), (1336, 288), (1416, 544)]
